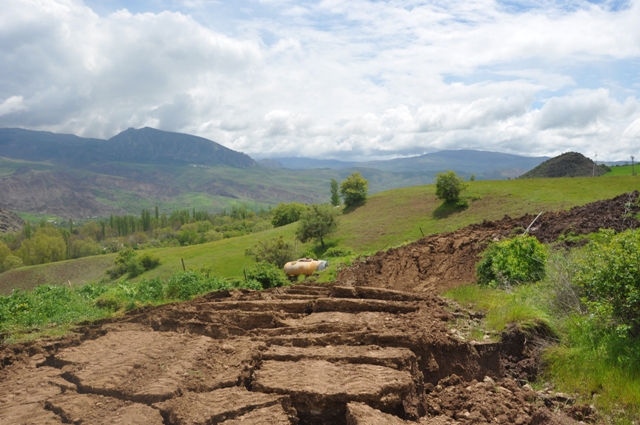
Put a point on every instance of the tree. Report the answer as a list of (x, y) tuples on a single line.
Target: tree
[(46, 246), (284, 214), (4, 253), (449, 186), (335, 196), (274, 251), (317, 223), (354, 189)]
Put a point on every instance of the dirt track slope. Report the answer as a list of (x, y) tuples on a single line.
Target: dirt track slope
[(356, 353), (440, 262)]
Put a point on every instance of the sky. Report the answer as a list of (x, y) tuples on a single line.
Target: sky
[(340, 79)]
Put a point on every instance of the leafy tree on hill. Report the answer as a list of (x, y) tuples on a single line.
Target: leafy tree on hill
[(354, 189), (47, 245), (335, 196), (4, 253), (274, 251), (449, 186), (317, 223), (284, 214)]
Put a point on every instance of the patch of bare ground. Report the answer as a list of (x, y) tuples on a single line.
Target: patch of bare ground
[(376, 348)]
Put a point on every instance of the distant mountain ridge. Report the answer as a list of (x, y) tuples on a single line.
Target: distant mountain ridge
[(493, 164), (142, 146)]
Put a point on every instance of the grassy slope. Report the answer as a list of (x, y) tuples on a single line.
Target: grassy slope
[(387, 219), (623, 170), (394, 217)]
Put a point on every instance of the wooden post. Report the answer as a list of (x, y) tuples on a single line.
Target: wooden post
[(421, 231), (184, 269)]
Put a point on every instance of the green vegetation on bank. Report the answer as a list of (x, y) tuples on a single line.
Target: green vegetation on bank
[(588, 301), (53, 309)]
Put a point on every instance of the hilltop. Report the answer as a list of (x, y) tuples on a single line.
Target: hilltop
[(569, 164), (142, 146)]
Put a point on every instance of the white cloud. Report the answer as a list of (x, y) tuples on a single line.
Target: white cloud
[(349, 79)]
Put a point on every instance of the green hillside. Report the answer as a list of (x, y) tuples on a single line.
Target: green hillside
[(387, 219)]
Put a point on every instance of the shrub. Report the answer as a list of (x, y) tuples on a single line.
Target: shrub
[(285, 214), (512, 261), (186, 285), (610, 277), (338, 252), (354, 189), (274, 251), (317, 223), (149, 262), (268, 275), (449, 186)]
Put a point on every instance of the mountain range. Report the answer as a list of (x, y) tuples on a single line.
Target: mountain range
[(69, 176)]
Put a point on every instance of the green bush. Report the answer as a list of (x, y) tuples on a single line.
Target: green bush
[(149, 262), (512, 261), (354, 189), (609, 274), (186, 285), (129, 262), (274, 251), (338, 252), (267, 275), (285, 214), (449, 186)]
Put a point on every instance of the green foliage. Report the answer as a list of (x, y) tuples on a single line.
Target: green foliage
[(11, 262), (274, 251), (47, 245), (317, 223), (268, 275), (335, 196), (354, 189), (45, 305), (4, 253), (285, 214), (512, 261), (338, 252), (449, 186), (609, 274), (472, 178), (186, 285), (128, 261)]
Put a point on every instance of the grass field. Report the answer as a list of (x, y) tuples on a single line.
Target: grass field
[(387, 219), (623, 170)]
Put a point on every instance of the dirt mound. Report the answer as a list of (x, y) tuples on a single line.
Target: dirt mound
[(301, 354), (440, 262)]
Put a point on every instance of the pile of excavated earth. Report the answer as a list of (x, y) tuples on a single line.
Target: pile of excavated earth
[(358, 351)]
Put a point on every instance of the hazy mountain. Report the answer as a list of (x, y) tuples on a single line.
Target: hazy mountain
[(301, 163), (488, 164), (143, 146)]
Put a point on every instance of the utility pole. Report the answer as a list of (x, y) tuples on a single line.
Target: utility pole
[(594, 165), (633, 173)]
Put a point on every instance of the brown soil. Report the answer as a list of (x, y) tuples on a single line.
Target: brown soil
[(304, 354)]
